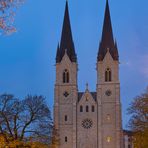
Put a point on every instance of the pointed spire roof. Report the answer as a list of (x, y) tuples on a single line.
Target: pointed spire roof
[(66, 40), (58, 53), (107, 40)]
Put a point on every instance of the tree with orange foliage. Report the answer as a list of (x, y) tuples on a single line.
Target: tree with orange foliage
[(55, 138), (139, 120), (26, 121), (7, 13)]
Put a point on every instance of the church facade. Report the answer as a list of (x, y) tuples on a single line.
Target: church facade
[(88, 119)]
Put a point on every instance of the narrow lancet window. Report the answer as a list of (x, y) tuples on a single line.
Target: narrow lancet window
[(87, 108), (108, 75), (65, 117), (93, 108), (65, 76), (81, 108), (66, 139)]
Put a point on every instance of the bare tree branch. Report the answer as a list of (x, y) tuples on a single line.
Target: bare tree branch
[(21, 119), (139, 119)]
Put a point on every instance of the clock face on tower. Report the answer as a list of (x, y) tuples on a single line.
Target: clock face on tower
[(108, 93), (87, 123)]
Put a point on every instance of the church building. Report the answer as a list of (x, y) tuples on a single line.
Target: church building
[(88, 119)]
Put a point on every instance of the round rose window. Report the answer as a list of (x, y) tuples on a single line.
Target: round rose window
[(87, 123), (108, 93)]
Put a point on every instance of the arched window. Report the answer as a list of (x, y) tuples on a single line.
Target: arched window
[(108, 75), (87, 108), (65, 117), (65, 76), (66, 139), (108, 139), (108, 117), (81, 108), (93, 108)]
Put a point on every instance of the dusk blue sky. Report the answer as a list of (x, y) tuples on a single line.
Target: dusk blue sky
[(27, 58)]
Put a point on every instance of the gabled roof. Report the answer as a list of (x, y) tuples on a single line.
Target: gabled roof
[(107, 40), (80, 94), (66, 40)]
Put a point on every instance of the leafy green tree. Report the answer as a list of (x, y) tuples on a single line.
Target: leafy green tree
[(139, 120)]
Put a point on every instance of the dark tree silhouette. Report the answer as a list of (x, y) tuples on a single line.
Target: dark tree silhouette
[(22, 120), (139, 120)]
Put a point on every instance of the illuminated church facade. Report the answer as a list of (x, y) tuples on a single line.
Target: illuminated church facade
[(88, 119)]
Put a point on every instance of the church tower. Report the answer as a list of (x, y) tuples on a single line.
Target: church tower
[(88, 119), (66, 87), (108, 88)]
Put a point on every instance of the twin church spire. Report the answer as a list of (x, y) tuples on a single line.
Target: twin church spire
[(107, 40), (66, 44)]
